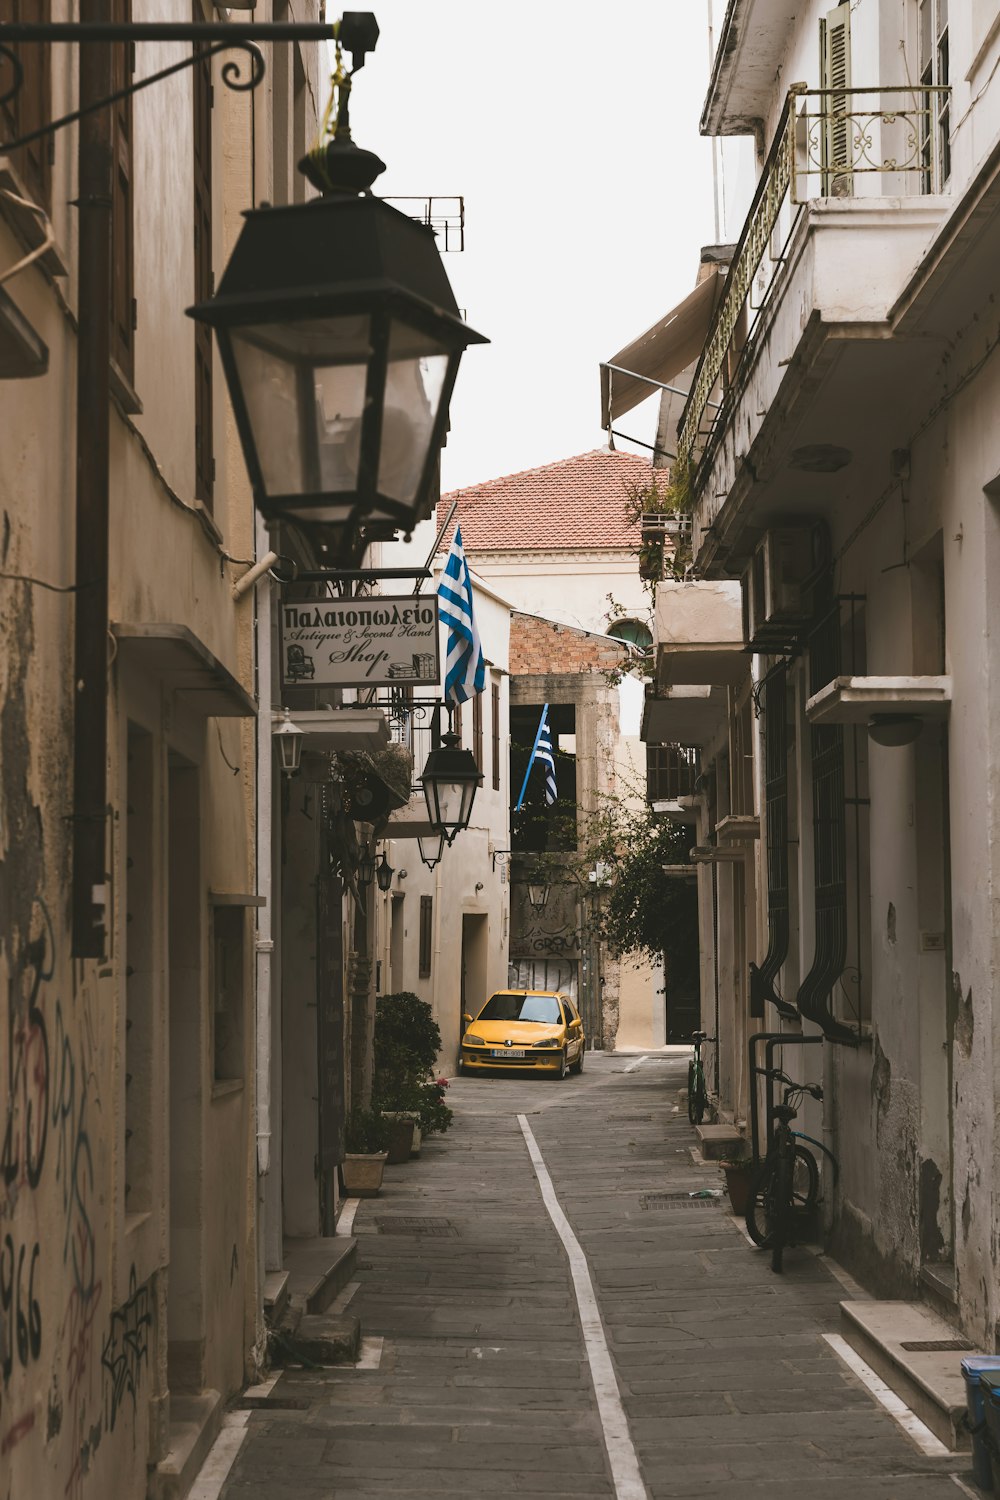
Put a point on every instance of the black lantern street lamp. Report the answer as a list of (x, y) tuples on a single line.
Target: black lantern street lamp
[(538, 895), (384, 873), (450, 781), (431, 848), (366, 868), (340, 338)]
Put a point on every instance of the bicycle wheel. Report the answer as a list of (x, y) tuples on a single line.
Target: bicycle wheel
[(805, 1190)]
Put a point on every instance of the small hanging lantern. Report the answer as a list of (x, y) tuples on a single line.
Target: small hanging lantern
[(289, 737), (384, 873), (431, 848), (366, 868)]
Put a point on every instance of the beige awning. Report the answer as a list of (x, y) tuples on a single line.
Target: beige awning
[(659, 355)]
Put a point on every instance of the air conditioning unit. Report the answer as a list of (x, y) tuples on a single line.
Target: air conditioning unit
[(777, 597)]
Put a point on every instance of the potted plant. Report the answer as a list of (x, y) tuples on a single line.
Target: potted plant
[(366, 1137), (399, 1099), (739, 1173), (407, 1042)]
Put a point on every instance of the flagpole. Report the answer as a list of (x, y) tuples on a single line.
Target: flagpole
[(434, 550), (531, 758)]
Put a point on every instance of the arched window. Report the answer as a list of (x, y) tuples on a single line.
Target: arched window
[(634, 632)]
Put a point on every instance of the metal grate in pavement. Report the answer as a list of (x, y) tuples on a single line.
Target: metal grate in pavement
[(677, 1200), (428, 1226), (937, 1346)]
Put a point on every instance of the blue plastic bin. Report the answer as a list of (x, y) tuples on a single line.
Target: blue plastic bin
[(973, 1365), (989, 1395)]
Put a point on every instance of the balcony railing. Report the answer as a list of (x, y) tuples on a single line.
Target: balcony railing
[(830, 143)]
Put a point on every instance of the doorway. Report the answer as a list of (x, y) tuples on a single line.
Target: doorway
[(475, 938), (185, 1305)]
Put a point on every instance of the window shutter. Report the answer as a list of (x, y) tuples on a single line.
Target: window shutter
[(477, 729), (426, 934), (835, 57), (31, 107), (495, 733), (123, 312)]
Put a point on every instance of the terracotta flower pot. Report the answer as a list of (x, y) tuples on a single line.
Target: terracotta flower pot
[(363, 1174)]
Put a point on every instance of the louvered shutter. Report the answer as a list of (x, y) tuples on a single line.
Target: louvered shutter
[(835, 53)]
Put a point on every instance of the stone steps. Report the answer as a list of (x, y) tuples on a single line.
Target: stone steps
[(928, 1380), (195, 1421), (297, 1300)]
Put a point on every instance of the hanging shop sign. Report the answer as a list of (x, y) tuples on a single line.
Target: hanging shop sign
[(360, 642)]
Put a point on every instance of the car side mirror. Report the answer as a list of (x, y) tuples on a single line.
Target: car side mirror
[(467, 1018)]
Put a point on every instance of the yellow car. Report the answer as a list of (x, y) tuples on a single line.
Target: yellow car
[(525, 1029)]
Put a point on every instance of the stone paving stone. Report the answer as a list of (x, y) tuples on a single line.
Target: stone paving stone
[(483, 1388)]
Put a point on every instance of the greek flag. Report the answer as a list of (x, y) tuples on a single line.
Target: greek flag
[(541, 750), (465, 666)]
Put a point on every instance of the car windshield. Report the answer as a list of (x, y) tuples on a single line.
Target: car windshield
[(541, 1008)]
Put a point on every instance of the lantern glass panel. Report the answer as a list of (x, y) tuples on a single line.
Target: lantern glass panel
[(304, 386), (415, 378)]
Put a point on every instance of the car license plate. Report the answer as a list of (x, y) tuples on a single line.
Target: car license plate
[(507, 1052)]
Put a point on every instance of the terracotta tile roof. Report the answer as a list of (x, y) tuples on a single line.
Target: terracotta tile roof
[(575, 504)]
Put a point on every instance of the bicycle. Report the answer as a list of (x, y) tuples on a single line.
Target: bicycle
[(697, 1089), (785, 1188)]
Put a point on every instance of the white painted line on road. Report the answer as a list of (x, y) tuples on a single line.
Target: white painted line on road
[(221, 1456), (617, 1438), (345, 1219), (921, 1434), (370, 1356), (631, 1067), (963, 1486)]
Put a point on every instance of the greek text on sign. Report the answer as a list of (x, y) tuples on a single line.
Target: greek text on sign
[(360, 642)]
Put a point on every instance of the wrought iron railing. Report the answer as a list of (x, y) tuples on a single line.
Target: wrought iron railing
[(874, 142)]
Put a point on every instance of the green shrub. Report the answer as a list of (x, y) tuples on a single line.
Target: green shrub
[(366, 1132)]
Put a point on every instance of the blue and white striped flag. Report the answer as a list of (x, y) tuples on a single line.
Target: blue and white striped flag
[(465, 666), (541, 750)]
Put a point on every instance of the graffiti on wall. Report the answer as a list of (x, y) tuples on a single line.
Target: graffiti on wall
[(126, 1351)]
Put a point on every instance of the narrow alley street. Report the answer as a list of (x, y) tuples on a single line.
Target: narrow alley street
[(474, 1376)]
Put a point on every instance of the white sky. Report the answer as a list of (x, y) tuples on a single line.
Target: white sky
[(571, 128)]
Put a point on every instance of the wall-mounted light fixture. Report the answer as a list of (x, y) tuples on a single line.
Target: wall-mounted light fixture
[(288, 737), (366, 868), (384, 872), (450, 781)]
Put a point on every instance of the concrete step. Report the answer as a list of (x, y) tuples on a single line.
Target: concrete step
[(195, 1421), (718, 1140), (929, 1380), (318, 1339), (318, 1269), (276, 1295)]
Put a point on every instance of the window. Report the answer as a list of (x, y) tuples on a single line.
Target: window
[(671, 771), (228, 925), (426, 935), (477, 730), (540, 825), (935, 127), (495, 732), (123, 308), (204, 455), (31, 105), (633, 633)]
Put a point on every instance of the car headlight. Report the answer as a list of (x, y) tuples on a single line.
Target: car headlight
[(549, 1041), (473, 1041)]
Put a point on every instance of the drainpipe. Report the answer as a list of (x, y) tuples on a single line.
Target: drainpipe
[(90, 645)]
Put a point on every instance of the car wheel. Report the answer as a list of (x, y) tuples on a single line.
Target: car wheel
[(578, 1065), (563, 1063)]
